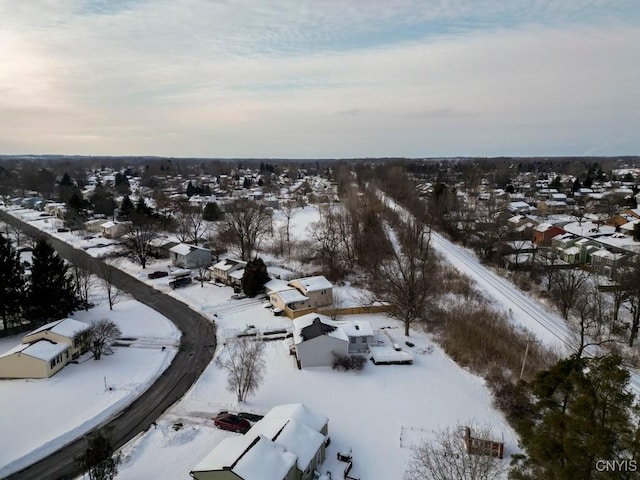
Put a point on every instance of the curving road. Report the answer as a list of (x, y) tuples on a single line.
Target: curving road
[(197, 347)]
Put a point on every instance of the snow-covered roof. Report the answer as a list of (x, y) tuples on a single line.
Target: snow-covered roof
[(185, 249), (292, 435), (67, 327), (228, 264), (311, 284), (291, 296), (276, 285), (356, 328), (543, 227), (629, 226), (607, 254), (301, 413), (571, 251), (251, 457), (108, 224), (237, 274), (42, 349)]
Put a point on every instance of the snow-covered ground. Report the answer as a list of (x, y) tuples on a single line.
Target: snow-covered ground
[(39, 416), (377, 413)]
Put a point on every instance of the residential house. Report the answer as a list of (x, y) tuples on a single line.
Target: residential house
[(114, 230), (40, 359), (223, 270), (607, 263), (184, 255), (46, 350), (246, 457), (307, 292), (287, 444), (95, 225), (317, 339), (544, 232), (68, 331)]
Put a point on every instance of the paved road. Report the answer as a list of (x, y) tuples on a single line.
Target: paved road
[(197, 347)]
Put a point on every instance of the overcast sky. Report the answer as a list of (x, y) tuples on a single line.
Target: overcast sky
[(320, 78)]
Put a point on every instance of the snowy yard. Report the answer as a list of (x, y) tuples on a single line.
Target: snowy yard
[(56, 410), (368, 411)]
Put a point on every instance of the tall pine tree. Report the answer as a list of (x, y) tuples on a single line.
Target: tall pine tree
[(52, 293), (11, 285), (583, 413), (254, 278)]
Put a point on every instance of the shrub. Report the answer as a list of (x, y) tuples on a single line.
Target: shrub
[(348, 362)]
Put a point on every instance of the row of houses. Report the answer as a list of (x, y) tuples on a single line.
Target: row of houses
[(46, 350), (288, 443)]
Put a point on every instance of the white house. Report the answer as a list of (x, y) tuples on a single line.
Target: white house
[(287, 444), (111, 229), (184, 255), (317, 339)]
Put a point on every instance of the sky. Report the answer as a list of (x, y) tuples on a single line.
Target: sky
[(320, 78)]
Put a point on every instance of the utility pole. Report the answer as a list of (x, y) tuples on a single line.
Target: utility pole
[(524, 360)]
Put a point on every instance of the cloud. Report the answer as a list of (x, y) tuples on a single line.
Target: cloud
[(330, 78)]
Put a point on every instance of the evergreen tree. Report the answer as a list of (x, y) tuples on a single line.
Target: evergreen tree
[(582, 414), (191, 190), (142, 208), (100, 460), (212, 212), (51, 294), (254, 278), (126, 207), (11, 285)]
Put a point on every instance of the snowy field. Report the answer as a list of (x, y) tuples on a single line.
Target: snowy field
[(56, 410)]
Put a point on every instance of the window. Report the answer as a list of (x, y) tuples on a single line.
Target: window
[(352, 339)]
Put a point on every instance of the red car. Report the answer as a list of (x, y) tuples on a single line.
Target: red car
[(233, 423)]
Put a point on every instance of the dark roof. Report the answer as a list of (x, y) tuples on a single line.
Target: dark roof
[(316, 329)]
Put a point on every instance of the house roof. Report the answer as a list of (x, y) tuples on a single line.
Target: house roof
[(357, 328), (185, 249), (228, 264), (316, 328), (291, 296), (300, 412), (311, 284), (67, 327), (276, 285), (294, 436), (251, 457), (108, 224), (42, 349), (607, 254)]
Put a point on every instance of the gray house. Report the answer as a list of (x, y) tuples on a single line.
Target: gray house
[(184, 255), (317, 339)]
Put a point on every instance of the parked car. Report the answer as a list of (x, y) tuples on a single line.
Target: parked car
[(62, 230), (180, 282), (233, 423), (238, 296), (157, 274)]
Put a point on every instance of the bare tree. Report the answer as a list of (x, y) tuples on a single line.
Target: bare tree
[(446, 458), (589, 310), (246, 222), (138, 239), (409, 280), (630, 284), (566, 285), (100, 337), (288, 210), (107, 270), (83, 280), (191, 227), (245, 366)]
